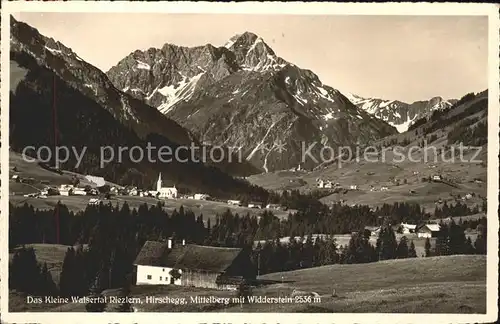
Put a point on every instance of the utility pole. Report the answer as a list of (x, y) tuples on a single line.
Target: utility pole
[(258, 263)]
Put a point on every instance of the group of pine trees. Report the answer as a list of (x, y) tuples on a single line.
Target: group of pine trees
[(26, 274), (453, 240)]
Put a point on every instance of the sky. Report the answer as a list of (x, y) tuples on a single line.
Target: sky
[(405, 58)]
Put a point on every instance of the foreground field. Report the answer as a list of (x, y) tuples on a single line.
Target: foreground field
[(452, 284), (438, 284)]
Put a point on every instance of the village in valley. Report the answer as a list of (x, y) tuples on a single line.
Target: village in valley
[(208, 266)]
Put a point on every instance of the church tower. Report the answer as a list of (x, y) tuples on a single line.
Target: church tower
[(158, 183)]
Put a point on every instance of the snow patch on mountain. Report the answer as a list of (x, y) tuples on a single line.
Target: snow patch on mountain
[(328, 116), (324, 94), (229, 44), (386, 103), (178, 92), (404, 126), (52, 50), (261, 146), (143, 66)]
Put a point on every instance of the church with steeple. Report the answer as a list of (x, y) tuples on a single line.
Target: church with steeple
[(165, 192)]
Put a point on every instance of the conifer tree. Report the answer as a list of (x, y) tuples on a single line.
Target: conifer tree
[(480, 243), (402, 249), (427, 247), (125, 293), (412, 253), (48, 287), (24, 272), (386, 244), (469, 248), (67, 277), (457, 240), (95, 294)]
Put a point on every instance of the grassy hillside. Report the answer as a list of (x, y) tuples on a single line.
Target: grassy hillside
[(452, 284), (401, 175), (377, 175)]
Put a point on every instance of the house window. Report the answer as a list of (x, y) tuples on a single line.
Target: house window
[(163, 270), (149, 277), (160, 278)]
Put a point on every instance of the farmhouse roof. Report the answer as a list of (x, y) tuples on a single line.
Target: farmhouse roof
[(409, 226), (189, 256), (151, 253), (431, 227)]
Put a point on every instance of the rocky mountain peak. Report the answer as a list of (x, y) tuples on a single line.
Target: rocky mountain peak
[(251, 52)]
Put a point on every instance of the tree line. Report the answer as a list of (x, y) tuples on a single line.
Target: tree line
[(113, 236)]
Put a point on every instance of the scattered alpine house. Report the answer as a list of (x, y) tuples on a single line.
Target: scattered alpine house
[(166, 263)]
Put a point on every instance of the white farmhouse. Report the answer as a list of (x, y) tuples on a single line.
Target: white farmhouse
[(436, 178), (199, 196), (165, 192), (133, 192), (273, 206), (408, 228), (321, 183), (66, 190), (255, 204), (79, 192), (168, 263), (429, 230), (234, 202), (93, 201)]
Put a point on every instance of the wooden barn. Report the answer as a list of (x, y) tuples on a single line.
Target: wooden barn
[(429, 230), (165, 263)]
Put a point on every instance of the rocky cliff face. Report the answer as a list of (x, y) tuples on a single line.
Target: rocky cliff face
[(242, 95), (93, 83)]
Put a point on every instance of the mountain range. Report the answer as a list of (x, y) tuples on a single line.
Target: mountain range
[(241, 95), (397, 113)]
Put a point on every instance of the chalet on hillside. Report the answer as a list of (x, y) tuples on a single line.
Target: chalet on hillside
[(436, 177), (234, 202), (374, 230), (166, 263), (255, 204), (429, 230), (408, 228), (199, 196), (274, 206)]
